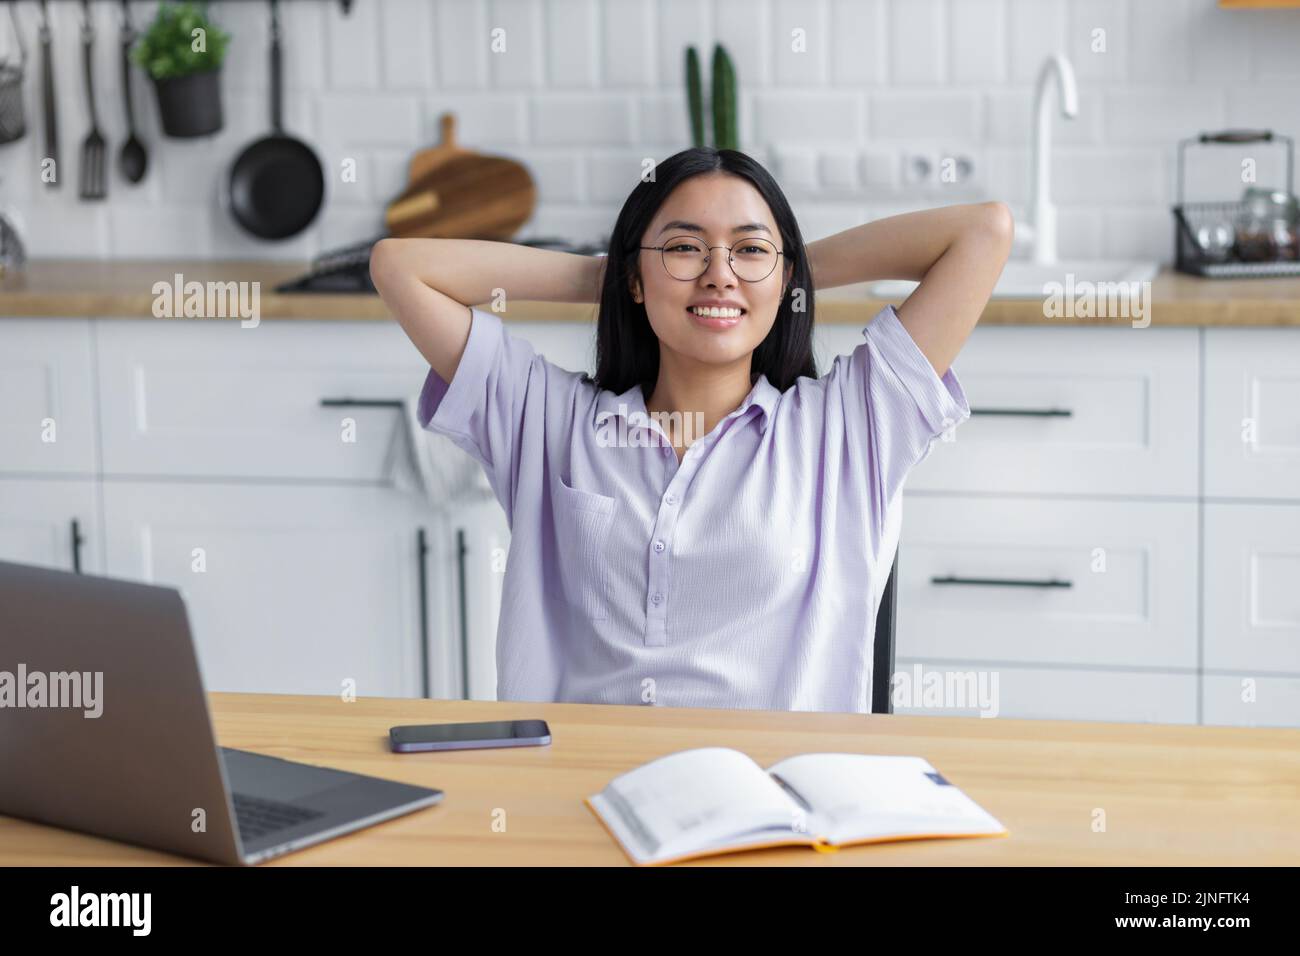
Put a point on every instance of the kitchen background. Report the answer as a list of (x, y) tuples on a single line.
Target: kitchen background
[(1154, 544), (586, 88)]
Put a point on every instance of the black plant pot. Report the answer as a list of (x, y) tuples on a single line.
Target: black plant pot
[(190, 105)]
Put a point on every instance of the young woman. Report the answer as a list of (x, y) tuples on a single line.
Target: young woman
[(706, 522)]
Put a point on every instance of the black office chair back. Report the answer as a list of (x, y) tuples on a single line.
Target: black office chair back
[(883, 655)]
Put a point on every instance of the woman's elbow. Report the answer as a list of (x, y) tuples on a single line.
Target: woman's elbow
[(383, 255), (998, 225)]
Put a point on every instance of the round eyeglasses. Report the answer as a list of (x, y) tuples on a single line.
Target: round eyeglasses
[(686, 258)]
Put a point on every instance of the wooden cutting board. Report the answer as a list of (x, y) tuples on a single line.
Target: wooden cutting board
[(457, 193)]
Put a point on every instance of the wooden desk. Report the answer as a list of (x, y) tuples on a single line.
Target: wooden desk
[(1172, 795)]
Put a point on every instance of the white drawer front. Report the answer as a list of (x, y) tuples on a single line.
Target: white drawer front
[(1131, 570), (1252, 587), (1044, 694), (1252, 413), (1248, 701), (52, 522), (289, 589), (47, 416), (213, 399), (1131, 397)]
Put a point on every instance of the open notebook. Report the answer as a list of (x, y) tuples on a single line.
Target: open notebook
[(716, 800)]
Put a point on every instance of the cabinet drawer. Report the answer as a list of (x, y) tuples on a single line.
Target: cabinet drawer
[(289, 589), (53, 523), (1252, 413), (214, 399), (1048, 694), (1048, 581), (1252, 587), (47, 416), (1251, 701), (1071, 411)]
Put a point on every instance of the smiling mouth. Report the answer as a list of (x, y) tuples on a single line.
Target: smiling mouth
[(724, 319), (716, 321)]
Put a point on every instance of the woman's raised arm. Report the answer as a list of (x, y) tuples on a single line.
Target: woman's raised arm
[(957, 253), (429, 285)]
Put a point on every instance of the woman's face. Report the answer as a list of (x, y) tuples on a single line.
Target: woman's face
[(716, 203)]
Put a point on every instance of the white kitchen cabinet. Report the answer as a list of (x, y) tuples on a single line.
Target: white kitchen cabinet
[(569, 345), (290, 589), (212, 399), (47, 414), (1252, 413), (53, 523), (1036, 693), (1093, 411), (1252, 588), (1250, 700), (486, 538), (1074, 411), (1060, 581)]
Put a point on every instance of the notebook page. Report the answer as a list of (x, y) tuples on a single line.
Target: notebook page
[(695, 798), (857, 796)]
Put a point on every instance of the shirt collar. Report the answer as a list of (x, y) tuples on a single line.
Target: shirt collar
[(763, 395)]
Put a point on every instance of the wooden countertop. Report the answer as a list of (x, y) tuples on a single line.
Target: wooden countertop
[(1171, 794), (124, 288)]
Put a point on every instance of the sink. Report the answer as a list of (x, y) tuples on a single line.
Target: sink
[(1029, 280)]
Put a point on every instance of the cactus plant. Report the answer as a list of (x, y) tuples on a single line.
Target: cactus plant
[(722, 97), (724, 100), (694, 96)]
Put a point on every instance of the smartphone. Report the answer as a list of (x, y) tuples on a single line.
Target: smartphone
[(496, 733)]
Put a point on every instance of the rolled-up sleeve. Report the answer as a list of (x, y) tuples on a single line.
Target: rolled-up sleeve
[(485, 408), (895, 405)]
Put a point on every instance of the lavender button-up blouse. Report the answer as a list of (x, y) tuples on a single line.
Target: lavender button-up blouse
[(748, 575)]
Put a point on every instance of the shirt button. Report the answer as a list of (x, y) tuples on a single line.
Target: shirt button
[(671, 499), (667, 450), (656, 597), (659, 545)]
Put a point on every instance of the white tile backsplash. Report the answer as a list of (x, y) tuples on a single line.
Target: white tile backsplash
[(406, 44), (833, 95), (977, 42), (859, 43), (573, 55), (627, 37), (918, 42), (800, 44)]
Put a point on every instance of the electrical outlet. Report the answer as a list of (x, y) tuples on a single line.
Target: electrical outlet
[(960, 168), (919, 169)]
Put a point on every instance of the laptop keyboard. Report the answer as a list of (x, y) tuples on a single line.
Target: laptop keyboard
[(257, 817)]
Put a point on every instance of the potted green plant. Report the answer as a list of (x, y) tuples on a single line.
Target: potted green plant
[(182, 52), (725, 132)]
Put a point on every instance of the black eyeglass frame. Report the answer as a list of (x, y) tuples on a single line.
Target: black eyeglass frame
[(731, 259)]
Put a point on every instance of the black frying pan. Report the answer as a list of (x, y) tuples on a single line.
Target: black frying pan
[(277, 184)]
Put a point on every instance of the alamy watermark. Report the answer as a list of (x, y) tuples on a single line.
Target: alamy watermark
[(946, 690), (129, 910), (632, 428), (208, 300), (76, 690), (1098, 300)]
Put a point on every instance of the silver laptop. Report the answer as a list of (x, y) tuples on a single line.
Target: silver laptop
[(104, 728)]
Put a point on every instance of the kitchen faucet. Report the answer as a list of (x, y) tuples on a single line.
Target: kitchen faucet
[(1042, 213)]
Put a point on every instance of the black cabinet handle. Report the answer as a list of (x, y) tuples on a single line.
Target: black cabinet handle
[(1033, 412), (461, 551), (362, 403), (77, 540), (1004, 582), (422, 566)]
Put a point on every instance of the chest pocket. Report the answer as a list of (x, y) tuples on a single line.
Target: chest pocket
[(583, 520)]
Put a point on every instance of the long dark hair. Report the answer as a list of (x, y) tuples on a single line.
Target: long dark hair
[(627, 349)]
